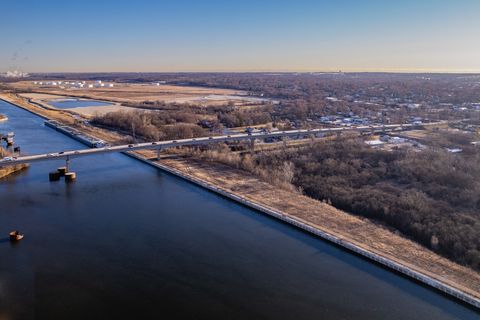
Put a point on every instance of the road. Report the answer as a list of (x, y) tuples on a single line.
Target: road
[(68, 155)]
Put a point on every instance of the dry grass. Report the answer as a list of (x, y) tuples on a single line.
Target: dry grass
[(134, 93)]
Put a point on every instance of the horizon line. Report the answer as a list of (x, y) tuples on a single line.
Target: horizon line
[(416, 71)]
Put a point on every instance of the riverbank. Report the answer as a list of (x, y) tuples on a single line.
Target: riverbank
[(6, 171), (358, 235)]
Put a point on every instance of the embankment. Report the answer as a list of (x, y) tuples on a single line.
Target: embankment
[(6, 171)]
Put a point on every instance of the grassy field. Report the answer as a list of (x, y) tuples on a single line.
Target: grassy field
[(136, 93)]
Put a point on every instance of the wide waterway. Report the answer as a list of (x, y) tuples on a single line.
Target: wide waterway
[(126, 241)]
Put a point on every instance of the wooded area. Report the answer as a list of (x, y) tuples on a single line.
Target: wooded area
[(432, 196)]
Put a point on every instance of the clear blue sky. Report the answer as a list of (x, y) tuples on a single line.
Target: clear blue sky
[(234, 35)]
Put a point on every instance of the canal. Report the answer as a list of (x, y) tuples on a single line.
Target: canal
[(127, 241)]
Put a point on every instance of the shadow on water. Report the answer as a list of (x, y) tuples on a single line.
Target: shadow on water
[(406, 284), (12, 243)]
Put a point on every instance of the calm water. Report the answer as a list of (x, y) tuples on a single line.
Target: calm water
[(67, 104), (128, 242)]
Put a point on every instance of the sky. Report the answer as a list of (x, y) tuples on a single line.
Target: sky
[(240, 36)]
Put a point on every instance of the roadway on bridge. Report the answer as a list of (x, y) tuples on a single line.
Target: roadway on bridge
[(68, 155)]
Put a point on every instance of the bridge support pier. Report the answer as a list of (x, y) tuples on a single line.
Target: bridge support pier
[(67, 164), (63, 172), (312, 140), (158, 153), (284, 140), (252, 145)]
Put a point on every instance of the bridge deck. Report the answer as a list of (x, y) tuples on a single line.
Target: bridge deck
[(197, 141)]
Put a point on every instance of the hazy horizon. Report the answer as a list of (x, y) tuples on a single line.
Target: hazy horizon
[(213, 36)]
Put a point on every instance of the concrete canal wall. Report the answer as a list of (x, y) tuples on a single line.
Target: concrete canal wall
[(75, 134)]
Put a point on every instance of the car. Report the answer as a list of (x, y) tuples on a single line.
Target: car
[(229, 136), (154, 143), (7, 159), (174, 141), (130, 145), (76, 152), (61, 152), (210, 138), (49, 155)]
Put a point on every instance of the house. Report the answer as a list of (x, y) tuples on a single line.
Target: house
[(454, 150), (374, 143), (397, 140)]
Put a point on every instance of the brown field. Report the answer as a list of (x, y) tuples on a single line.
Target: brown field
[(87, 112), (415, 134), (134, 93)]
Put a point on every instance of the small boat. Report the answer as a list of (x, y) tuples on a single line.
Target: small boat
[(15, 236)]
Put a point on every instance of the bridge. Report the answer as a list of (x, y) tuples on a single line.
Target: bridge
[(68, 155)]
